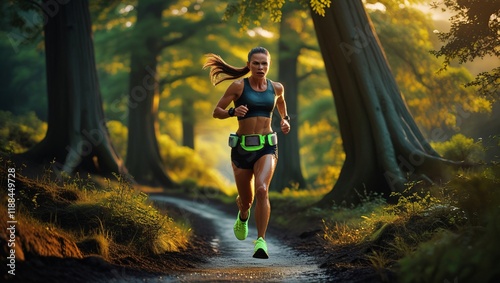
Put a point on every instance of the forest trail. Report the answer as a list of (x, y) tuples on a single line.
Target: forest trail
[(233, 261)]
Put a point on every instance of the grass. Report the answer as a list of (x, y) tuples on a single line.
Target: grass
[(98, 217), (447, 232), (468, 251)]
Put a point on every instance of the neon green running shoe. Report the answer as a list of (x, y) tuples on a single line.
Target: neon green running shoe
[(260, 250), (241, 227)]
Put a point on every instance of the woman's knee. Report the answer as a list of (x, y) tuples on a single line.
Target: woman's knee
[(261, 192)]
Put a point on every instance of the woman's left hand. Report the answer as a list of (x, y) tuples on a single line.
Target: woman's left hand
[(285, 126)]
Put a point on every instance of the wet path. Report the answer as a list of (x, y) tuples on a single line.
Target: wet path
[(234, 262)]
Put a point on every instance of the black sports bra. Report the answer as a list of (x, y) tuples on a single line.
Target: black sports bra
[(259, 103)]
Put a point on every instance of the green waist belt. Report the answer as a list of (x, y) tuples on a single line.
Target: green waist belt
[(253, 142)]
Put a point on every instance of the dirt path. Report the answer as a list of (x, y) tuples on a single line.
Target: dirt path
[(234, 261)]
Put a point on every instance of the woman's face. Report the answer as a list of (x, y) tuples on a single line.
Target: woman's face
[(259, 65)]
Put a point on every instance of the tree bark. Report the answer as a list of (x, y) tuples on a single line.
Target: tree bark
[(143, 155), (384, 148), (77, 137), (288, 171), (188, 122)]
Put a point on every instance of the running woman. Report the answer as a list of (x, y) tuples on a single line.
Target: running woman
[(254, 151)]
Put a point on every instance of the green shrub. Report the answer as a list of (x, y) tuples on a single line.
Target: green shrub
[(467, 251), (468, 256), (474, 193), (19, 133), (460, 148), (127, 217), (98, 216)]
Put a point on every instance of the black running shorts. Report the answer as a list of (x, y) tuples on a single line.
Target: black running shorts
[(246, 159)]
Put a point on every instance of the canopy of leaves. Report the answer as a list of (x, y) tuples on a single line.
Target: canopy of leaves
[(474, 33), (252, 12)]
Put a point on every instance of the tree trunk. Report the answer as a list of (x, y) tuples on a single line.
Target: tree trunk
[(77, 137), (288, 171), (383, 146), (188, 122), (143, 155)]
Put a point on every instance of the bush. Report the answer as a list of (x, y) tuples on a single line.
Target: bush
[(469, 256), (99, 216), (20, 133), (127, 217), (461, 148), (469, 252), (476, 194)]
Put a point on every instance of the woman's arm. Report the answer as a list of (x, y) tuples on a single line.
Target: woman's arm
[(232, 93), (281, 105)]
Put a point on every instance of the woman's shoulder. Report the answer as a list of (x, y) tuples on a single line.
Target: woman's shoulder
[(239, 83), (237, 86), (278, 87)]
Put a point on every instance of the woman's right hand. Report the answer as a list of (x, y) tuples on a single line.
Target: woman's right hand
[(241, 111)]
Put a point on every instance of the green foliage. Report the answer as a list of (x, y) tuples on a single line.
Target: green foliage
[(470, 255), (352, 225), (339, 233), (119, 136), (115, 213), (19, 133), (252, 12), (186, 166), (477, 194), (183, 164), (460, 148), (412, 203), (130, 218), (473, 34), (488, 83), (447, 232), (466, 250), (22, 73)]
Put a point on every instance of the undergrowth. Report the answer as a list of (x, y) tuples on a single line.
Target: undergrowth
[(445, 233), (99, 217)]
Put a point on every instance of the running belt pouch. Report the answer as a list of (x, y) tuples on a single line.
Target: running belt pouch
[(252, 140), (233, 140), (272, 139)]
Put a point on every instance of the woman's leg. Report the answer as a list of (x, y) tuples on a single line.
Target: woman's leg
[(263, 171), (243, 178)]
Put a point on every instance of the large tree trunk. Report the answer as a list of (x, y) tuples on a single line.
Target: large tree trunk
[(383, 146), (143, 155), (288, 172), (188, 122), (77, 137)]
